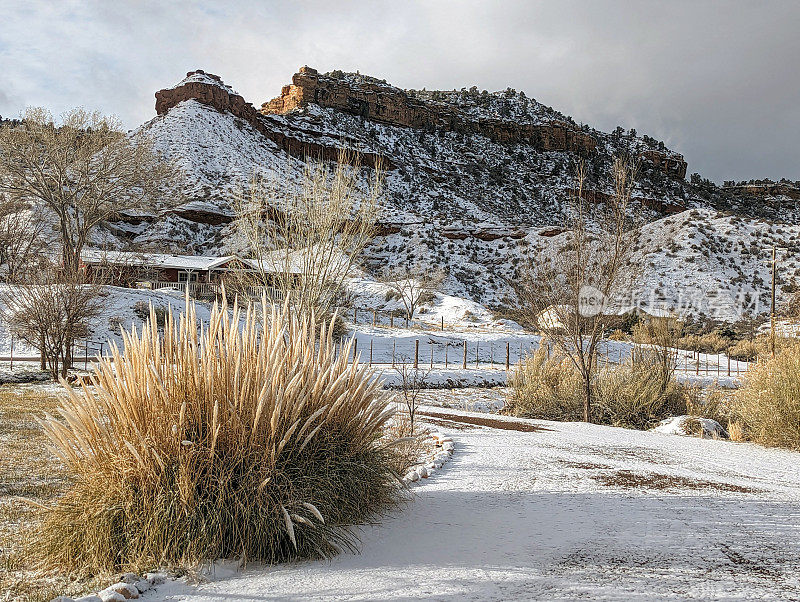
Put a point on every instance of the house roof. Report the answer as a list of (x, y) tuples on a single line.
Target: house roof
[(155, 260), (284, 261)]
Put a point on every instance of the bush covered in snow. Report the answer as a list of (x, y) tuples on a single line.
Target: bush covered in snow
[(248, 439)]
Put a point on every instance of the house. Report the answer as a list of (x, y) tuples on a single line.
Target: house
[(126, 268)]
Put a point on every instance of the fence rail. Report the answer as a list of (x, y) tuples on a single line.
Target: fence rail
[(211, 290)]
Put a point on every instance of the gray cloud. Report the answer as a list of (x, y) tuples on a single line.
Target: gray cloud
[(714, 80)]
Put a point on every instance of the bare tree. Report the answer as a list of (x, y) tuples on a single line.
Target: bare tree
[(84, 169), (413, 286), (412, 381), (661, 334), (305, 237), (51, 312), (21, 240), (573, 286)]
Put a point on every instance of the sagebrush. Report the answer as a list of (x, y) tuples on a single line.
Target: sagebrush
[(634, 395), (767, 407), (246, 438)]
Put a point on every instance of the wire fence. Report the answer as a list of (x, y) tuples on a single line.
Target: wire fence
[(505, 355)]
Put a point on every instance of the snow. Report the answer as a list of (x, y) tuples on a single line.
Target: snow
[(683, 425), (116, 312), (568, 511), (155, 260), (204, 78)]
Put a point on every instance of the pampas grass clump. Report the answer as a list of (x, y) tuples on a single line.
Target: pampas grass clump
[(255, 442)]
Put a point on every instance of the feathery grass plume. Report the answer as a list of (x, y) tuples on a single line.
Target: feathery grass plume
[(246, 438)]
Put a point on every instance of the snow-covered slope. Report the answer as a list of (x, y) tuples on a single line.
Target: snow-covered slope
[(459, 201)]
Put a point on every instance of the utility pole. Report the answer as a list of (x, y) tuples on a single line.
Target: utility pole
[(772, 306)]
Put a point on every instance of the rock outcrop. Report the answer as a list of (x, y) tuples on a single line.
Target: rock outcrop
[(378, 101), (210, 90), (765, 190), (658, 205), (671, 164)]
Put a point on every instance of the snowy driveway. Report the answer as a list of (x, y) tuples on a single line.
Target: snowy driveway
[(568, 511)]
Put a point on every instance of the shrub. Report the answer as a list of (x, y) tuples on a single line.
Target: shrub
[(712, 342), (746, 350), (145, 311), (548, 388), (634, 396), (638, 395), (248, 438), (749, 350), (768, 405)]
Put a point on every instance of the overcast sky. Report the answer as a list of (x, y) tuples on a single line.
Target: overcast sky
[(717, 81)]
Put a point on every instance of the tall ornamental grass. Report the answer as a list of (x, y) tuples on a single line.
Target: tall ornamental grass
[(243, 438)]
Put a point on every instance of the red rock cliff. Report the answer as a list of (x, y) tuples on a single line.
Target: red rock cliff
[(210, 90), (383, 103)]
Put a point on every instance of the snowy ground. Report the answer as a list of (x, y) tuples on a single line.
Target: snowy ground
[(564, 511)]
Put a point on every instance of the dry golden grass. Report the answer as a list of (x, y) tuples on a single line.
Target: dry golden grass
[(27, 469), (637, 396), (736, 431), (768, 405), (248, 438), (548, 388)]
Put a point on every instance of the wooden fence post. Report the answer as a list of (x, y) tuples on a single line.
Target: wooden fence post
[(394, 349), (85, 354), (416, 353), (491, 355), (374, 317), (465, 355), (355, 348), (431, 355), (446, 349), (11, 365), (391, 319), (442, 323), (370, 352), (508, 355), (355, 315)]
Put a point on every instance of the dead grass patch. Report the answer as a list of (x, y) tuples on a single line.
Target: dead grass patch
[(28, 470), (627, 479), (494, 423), (584, 465), (450, 424)]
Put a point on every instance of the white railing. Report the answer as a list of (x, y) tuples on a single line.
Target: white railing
[(209, 290)]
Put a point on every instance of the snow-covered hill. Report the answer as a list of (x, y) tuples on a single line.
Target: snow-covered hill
[(474, 204)]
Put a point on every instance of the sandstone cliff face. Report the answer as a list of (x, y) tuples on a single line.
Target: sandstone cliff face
[(380, 102), (210, 90), (673, 165), (766, 190)]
